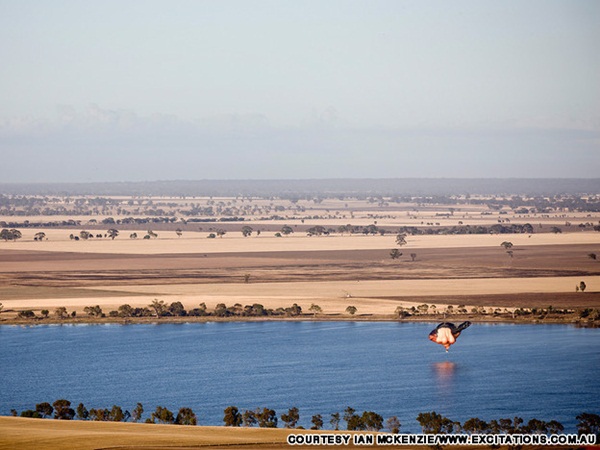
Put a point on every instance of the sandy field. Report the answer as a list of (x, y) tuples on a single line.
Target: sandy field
[(27, 434), (333, 272), (168, 242)]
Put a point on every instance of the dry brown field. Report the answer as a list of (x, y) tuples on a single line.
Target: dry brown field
[(26, 434), (332, 271)]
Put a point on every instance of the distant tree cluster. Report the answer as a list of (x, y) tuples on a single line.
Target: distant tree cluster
[(470, 229), (158, 308), (63, 411)]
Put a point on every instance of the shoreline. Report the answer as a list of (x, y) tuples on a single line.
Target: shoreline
[(430, 318)]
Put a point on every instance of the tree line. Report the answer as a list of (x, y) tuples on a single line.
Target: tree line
[(159, 308), (430, 422)]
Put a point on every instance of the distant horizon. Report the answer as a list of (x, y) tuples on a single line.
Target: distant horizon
[(315, 187), (192, 180)]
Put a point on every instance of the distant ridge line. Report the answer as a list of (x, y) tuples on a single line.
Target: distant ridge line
[(315, 187)]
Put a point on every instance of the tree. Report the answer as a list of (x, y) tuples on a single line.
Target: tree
[(61, 312), (151, 234), (294, 310), (85, 235), (291, 418), (39, 236), (45, 313), (536, 426), (232, 417), (475, 426), (63, 410), (589, 423), (221, 310), (162, 415), (26, 314), (125, 310), (112, 233), (10, 235), (370, 229), (555, 427), (351, 310), (133, 236), (395, 253), (393, 425), (507, 245), (434, 423), (401, 239), (93, 311), (82, 412), (335, 421), (159, 306), (1, 307), (186, 416), (423, 309), (116, 414), (45, 409), (267, 418), (99, 414), (401, 312), (138, 411), (315, 309), (30, 413), (178, 232), (582, 286), (592, 256), (317, 230), (177, 309), (249, 418), (286, 229), (348, 413), (353, 420), (317, 421), (371, 421), (510, 426), (555, 230), (247, 231)]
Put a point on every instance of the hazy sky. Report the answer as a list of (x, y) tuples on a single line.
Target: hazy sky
[(145, 90)]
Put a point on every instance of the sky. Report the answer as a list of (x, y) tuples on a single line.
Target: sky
[(142, 90)]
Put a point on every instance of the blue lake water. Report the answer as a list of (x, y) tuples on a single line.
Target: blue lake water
[(494, 371)]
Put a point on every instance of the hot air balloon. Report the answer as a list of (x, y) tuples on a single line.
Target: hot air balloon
[(446, 333)]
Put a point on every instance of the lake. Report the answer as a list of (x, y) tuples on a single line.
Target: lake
[(494, 371)]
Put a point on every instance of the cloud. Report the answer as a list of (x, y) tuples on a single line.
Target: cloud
[(98, 144)]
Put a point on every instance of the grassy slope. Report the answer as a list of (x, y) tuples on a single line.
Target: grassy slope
[(20, 433)]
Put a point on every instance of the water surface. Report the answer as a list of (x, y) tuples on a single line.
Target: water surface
[(494, 371)]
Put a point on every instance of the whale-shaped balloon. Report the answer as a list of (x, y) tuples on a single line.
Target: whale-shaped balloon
[(446, 333)]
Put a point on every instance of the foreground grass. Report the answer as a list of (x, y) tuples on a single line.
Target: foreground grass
[(20, 433)]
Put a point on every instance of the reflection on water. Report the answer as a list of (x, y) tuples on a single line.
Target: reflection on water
[(444, 370), (444, 373)]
